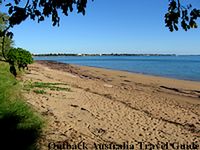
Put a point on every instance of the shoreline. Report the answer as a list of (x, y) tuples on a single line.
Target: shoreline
[(188, 84), (104, 106), (133, 72)]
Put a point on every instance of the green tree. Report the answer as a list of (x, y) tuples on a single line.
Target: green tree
[(8, 42), (3, 21), (14, 56), (19, 57)]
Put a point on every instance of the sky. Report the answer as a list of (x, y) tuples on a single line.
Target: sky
[(110, 26)]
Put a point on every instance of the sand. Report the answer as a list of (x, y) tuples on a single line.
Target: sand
[(104, 108)]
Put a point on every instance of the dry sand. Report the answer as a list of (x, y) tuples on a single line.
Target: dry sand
[(112, 107)]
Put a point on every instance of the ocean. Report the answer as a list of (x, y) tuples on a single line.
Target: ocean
[(178, 67)]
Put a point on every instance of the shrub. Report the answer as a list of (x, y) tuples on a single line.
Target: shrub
[(19, 57)]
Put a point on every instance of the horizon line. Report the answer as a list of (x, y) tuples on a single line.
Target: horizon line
[(100, 54)]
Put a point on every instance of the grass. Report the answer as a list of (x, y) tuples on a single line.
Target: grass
[(39, 91), (43, 85), (20, 125)]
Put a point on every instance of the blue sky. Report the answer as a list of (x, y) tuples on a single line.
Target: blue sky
[(110, 26)]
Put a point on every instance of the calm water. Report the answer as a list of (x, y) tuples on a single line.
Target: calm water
[(179, 67)]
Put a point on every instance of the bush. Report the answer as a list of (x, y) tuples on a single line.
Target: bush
[(19, 57)]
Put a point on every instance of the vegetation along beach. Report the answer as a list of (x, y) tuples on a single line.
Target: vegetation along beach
[(124, 75)]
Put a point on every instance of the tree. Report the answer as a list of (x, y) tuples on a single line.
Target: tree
[(8, 42), (35, 9), (14, 56), (18, 57), (3, 21)]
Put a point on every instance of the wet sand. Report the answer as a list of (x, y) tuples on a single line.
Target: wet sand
[(112, 107)]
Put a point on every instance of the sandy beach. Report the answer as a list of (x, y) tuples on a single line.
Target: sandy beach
[(106, 109)]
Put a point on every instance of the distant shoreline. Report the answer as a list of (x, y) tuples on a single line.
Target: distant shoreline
[(112, 54)]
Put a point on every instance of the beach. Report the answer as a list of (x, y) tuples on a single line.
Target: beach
[(98, 108)]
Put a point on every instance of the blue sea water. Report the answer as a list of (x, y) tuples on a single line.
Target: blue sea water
[(179, 67)]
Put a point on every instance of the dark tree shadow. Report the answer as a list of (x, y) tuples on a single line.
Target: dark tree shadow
[(14, 136)]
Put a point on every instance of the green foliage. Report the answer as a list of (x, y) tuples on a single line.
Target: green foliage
[(39, 91), (51, 86), (178, 13), (3, 21), (20, 56), (8, 42), (20, 126), (7, 45)]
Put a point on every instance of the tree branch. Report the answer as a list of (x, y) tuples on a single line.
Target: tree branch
[(179, 5), (27, 4)]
